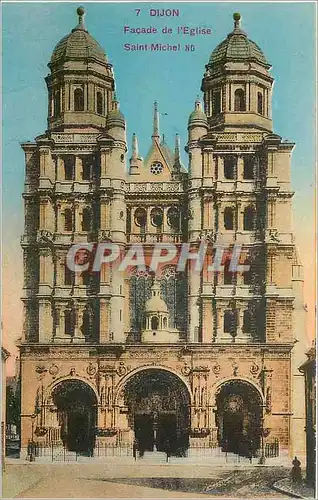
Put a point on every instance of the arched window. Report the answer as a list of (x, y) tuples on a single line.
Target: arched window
[(239, 100), (154, 323), (173, 218), (248, 168), (57, 103), (69, 167), (229, 321), (99, 103), (229, 167), (165, 323), (68, 275), (141, 219), (248, 219), (229, 218), (260, 103), (68, 220), (86, 219), (68, 322), (78, 100), (246, 328), (156, 217), (139, 292), (174, 292)]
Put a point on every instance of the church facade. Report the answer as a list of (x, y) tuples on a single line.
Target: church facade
[(167, 359)]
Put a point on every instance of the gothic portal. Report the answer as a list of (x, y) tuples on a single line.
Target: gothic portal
[(176, 359)]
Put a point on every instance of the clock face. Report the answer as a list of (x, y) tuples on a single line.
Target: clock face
[(156, 168)]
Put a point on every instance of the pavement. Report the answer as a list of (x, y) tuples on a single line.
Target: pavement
[(113, 479)]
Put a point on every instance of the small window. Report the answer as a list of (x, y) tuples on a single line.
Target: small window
[(68, 322), (260, 103), (156, 217), (246, 322), (86, 169), (248, 219), (154, 323), (230, 321), (99, 103), (165, 322), (86, 324), (173, 218), (86, 219), (78, 100), (57, 103), (141, 219), (86, 278), (229, 219), (228, 276), (239, 100), (248, 168), (68, 275), (68, 220), (69, 167), (229, 167), (120, 314), (216, 102), (247, 275)]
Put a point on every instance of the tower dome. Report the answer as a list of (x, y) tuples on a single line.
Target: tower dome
[(80, 83), (237, 85), (198, 117), (237, 47), (156, 303), (78, 44)]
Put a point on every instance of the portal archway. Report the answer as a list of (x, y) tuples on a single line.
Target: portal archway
[(76, 405), (238, 417), (158, 411)]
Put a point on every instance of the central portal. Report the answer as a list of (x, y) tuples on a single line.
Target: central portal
[(158, 404)]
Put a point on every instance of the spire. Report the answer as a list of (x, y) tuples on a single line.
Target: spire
[(237, 20), (115, 102), (135, 153), (155, 134), (177, 161), (80, 11), (237, 25)]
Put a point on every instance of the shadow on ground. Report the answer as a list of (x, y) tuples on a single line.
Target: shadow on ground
[(254, 482)]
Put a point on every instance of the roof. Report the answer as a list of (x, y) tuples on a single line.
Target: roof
[(156, 304), (78, 44), (237, 47)]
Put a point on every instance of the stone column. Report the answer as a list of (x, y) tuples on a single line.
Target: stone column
[(78, 169), (104, 321), (45, 321)]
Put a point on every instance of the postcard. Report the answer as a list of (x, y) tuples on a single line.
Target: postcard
[(158, 249)]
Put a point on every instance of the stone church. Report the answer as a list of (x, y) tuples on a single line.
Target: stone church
[(184, 361)]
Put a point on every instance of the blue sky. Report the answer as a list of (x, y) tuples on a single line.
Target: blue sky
[(284, 31)]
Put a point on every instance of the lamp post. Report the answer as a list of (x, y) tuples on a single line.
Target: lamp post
[(32, 447), (264, 433)]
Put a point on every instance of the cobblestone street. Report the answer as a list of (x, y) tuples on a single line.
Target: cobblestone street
[(114, 480)]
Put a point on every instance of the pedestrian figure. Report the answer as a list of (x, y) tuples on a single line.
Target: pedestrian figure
[(168, 450), (135, 449), (296, 471)]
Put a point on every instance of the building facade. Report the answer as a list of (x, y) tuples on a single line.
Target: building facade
[(309, 369), (172, 358)]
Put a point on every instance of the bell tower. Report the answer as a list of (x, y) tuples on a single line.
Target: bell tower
[(237, 84), (80, 83)]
